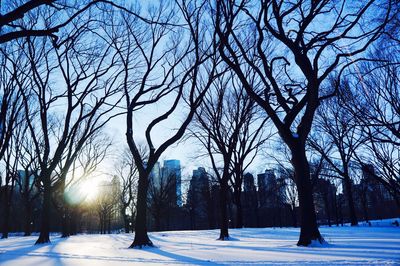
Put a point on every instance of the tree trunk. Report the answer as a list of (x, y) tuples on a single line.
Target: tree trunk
[(366, 213), (109, 224), (294, 215), (157, 219), (309, 229), (6, 218), (239, 208), (141, 237), (44, 236), (327, 210), (126, 221), (336, 210), (73, 226), (65, 223), (349, 190), (224, 234), (210, 213), (28, 218)]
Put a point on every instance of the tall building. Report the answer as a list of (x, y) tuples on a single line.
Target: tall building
[(172, 169), (155, 175), (249, 201), (199, 199), (266, 181), (248, 183)]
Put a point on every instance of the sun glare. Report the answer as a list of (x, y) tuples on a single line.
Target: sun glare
[(84, 191), (89, 188)]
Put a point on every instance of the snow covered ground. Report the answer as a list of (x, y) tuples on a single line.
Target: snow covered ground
[(361, 245)]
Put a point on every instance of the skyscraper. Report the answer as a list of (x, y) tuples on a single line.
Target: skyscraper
[(155, 175), (172, 169), (266, 181)]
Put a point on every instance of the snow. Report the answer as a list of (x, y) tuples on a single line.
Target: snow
[(361, 245)]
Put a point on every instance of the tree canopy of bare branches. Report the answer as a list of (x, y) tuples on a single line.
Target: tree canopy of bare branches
[(291, 53)]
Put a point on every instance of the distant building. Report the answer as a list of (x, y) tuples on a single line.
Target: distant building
[(375, 201), (172, 169), (324, 200), (266, 182), (249, 201), (162, 176), (199, 199), (155, 175), (272, 199)]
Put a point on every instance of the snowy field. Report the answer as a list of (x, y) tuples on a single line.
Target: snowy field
[(347, 246)]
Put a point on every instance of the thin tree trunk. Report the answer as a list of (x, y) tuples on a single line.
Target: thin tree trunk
[(336, 211), (141, 237), (126, 220), (28, 218), (352, 210), (309, 229), (366, 213), (239, 208), (294, 215), (157, 219), (224, 234), (327, 210), (7, 206), (109, 224), (65, 222), (44, 236), (73, 222)]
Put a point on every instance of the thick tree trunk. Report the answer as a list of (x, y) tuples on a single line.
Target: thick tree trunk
[(349, 195), (141, 237), (44, 236), (224, 234), (309, 229)]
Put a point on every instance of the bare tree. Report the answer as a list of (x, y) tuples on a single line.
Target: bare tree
[(17, 13), (79, 75), (161, 197), (27, 180), (10, 98), (168, 65), (126, 170), (230, 129), (69, 176), (336, 131), (107, 204), (10, 160), (376, 106), (285, 47)]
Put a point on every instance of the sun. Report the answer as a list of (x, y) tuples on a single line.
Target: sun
[(89, 189), (83, 191)]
